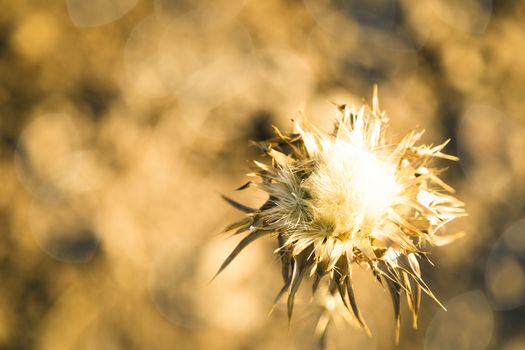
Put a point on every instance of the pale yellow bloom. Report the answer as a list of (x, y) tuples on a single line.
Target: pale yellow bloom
[(350, 197)]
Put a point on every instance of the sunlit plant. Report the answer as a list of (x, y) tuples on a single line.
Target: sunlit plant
[(349, 197)]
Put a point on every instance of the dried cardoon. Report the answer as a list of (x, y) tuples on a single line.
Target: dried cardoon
[(349, 197)]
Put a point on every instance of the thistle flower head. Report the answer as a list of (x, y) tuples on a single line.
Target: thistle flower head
[(349, 197)]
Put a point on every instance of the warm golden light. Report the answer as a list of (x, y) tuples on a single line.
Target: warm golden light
[(121, 122)]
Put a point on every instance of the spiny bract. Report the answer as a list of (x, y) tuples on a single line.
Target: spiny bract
[(349, 197)]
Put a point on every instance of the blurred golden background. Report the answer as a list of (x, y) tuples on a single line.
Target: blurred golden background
[(122, 121)]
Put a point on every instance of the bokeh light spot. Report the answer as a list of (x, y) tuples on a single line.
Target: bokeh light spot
[(466, 325), (98, 12), (505, 271)]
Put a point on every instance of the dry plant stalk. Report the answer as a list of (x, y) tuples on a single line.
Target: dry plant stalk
[(349, 198)]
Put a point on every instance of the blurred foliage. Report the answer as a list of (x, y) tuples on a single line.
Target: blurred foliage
[(122, 121)]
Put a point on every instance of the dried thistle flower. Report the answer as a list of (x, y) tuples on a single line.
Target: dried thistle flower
[(349, 197)]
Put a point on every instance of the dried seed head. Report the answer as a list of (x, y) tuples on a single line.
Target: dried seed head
[(349, 197)]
